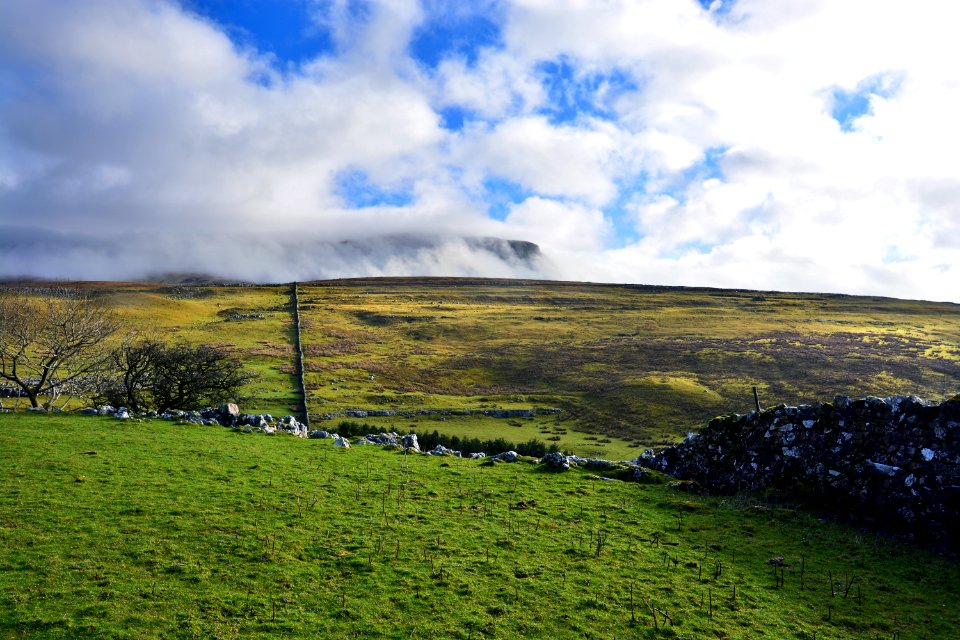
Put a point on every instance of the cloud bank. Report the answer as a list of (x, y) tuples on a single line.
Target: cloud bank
[(773, 145)]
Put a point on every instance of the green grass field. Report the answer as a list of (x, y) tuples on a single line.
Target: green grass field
[(113, 529)]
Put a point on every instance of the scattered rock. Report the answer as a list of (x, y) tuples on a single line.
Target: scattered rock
[(441, 450)]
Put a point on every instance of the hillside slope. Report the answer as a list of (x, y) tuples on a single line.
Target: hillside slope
[(630, 366)]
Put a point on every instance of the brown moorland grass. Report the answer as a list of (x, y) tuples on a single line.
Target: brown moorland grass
[(639, 365)]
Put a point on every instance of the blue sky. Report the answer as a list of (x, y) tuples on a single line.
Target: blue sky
[(740, 143), (280, 28)]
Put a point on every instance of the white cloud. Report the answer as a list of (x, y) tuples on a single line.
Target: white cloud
[(498, 86), (578, 162), (136, 114), (801, 204), (558, 226), (166, 125)]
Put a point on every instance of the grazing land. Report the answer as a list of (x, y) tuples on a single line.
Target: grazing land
[(128, 529), (630, 366), (637, 364)]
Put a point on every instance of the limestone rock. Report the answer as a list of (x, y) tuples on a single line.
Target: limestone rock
[(441, 450), (410, 442), (556, 460), (893, 463)]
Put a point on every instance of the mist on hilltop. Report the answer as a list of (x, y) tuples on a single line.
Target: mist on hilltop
[(245, 256)]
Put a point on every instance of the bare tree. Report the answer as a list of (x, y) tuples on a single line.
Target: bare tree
[(47, 343)]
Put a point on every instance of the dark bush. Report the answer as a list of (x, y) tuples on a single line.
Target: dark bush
[(150, 374)]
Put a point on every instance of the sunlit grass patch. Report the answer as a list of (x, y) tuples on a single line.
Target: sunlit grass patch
[(190, 531)]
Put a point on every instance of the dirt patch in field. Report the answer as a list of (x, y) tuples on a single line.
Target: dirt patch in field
[(270, 350), (329, 349)]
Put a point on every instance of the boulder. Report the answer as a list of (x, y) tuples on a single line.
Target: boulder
[(506, 456), (410, 442), (318, 434), (556, 461), (441, 450), (228, 412), (89, 411), (341, 442)]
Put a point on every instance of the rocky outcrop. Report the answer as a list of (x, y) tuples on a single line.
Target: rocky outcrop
[(892, 463)]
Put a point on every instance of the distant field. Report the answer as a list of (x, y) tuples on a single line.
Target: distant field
[(631, 365), (120, 529), (639, 363), (206, 315)]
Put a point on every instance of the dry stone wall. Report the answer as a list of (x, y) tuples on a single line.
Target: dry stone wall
[(892, 463)]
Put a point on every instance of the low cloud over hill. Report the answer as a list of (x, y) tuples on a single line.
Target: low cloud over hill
[(26, 252)]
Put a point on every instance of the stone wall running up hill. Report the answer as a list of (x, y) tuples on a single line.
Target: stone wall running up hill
[(892, 463)]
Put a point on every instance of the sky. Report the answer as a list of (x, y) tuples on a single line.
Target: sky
[(797, 145)]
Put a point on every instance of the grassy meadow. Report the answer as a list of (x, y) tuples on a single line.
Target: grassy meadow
[(125, 529)]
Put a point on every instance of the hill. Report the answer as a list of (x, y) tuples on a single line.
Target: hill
[(630, 366)]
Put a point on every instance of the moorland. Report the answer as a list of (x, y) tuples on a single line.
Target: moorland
[(630, 366)]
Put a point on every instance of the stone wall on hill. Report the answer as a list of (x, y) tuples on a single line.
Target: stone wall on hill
[(891, 463)]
